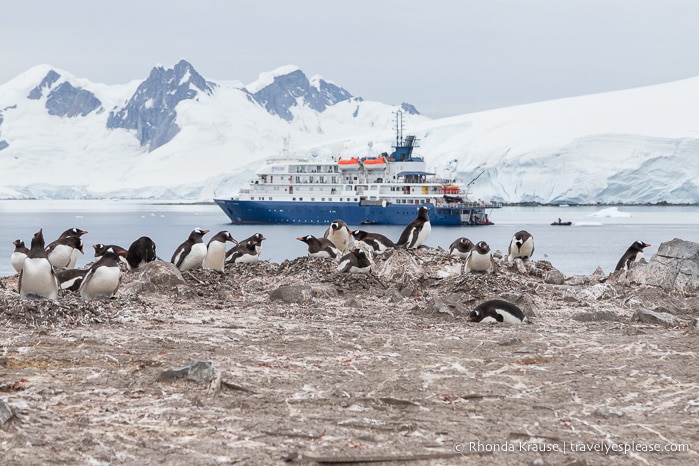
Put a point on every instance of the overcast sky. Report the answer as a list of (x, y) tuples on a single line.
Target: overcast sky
[(446, 57)]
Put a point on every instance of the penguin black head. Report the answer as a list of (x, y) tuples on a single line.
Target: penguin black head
[(38, 239), (18, 243), (72, 232), (359, 234), (640, 245), (197, 234), (422, 213), (482, 247)]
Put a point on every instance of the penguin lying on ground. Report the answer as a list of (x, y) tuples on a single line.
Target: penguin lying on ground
[(355, 261), (633, 254), (497, 310), (244, 253), (461, 247), (373, 241), (320, 247), (70, 279)]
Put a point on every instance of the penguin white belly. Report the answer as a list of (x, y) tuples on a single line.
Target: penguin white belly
[(101, 283), (38, 279), (639, 256), (247, 259), (195, 258), (463, 255), (488, 319), (215, 256), (479, 262), (17, 259), (525, 251), (508, 318), (61, 256), (423, 234)]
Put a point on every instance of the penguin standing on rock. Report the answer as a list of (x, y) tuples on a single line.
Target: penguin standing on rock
[(373, 241), (63, 253), (633, 254), (521, 246), (497, 310), (103, 277), (216, 251), (140, 253), (340, 235), (417, 231), (355, 261), (320, 247), (18, 255), (37, 278), (480, 259), (191, 253)]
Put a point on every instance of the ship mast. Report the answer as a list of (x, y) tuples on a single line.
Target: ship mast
[(399, 128)]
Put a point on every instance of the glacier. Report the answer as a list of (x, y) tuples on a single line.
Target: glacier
[(63, 137)]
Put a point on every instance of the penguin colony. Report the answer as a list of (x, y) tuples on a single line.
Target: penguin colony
[(44, 270)]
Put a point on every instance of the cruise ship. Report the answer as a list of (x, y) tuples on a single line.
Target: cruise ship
[(382, 190)]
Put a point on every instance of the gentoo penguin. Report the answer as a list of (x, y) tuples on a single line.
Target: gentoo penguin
[(258, 238), (355, 261), (72, 232), (245, 252), (339, 233), (633, 254), (63, 253), (480, 259), (37, 278), (70, 279), (374, 241), (19, 254), (102, 278), (100, 249), (461, 247), (522, 246), (497, 310), (191, 253), (320, 247), (216, 251), (140, 253), (417, 231)]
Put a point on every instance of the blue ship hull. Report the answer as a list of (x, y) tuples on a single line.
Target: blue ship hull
[(301, 213)]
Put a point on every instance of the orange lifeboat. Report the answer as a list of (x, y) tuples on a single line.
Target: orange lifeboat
[(378, 162), (349, 164)]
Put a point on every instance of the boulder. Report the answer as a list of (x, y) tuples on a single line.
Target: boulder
[(156, 276), (675, 267)]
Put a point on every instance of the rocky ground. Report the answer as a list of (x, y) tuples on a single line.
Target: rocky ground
[(296, 363)]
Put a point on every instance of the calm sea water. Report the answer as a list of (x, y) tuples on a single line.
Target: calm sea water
[(578, 249)]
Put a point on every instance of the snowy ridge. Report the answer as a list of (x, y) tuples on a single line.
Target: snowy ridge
[(633, 146)]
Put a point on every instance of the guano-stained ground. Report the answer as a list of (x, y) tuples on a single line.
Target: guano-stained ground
[(350, 369)]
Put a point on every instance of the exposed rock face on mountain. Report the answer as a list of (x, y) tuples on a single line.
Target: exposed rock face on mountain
[(151, 110), (287, 91), (64, 100)]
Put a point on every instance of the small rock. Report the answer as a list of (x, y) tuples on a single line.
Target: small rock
[(197, 371), (6, 412), (509, 341), (606, 413), (554, 277), (649, 317)]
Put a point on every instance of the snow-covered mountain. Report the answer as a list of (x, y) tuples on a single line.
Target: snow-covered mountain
[(177, 135)]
